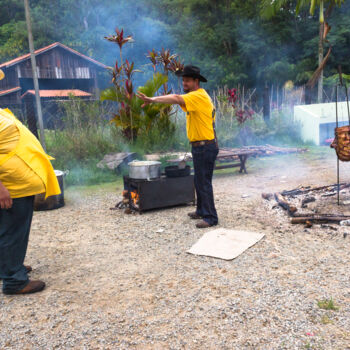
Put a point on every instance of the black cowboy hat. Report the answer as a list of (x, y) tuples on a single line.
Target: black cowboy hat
[(191, 71)]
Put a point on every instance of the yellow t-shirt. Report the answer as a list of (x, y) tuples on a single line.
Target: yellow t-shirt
[(199, 109), (19, 179)]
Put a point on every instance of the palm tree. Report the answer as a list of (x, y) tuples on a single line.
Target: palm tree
[(270, 7)]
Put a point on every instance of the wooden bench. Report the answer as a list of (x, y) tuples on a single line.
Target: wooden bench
[(227, 158), (233, 158)]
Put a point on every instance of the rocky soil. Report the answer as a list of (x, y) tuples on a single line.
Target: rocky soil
[(117, 281)]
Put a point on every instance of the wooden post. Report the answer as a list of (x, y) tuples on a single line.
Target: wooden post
[(35, 75), (266, 104)]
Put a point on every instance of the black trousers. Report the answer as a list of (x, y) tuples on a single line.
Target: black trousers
[(14, 234), (204, 161)]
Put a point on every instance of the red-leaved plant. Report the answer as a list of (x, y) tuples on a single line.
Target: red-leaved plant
[(131, 117), (242, 114)]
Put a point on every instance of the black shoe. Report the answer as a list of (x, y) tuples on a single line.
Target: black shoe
[(194, 216)]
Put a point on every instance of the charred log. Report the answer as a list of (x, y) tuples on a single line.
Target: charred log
[(319, 219), (284, 204)]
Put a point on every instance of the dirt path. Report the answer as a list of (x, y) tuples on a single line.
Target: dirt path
[(119, 281)]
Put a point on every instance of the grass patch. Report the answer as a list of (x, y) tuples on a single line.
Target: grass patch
[(327, 304), (93, 189), (326, 320), (88, 174)]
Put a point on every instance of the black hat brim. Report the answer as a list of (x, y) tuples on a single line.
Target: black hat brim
[(195, 76)]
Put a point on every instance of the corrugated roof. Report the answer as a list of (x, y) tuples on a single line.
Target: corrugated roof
[(58, 93), (9, 91), (47, 48)]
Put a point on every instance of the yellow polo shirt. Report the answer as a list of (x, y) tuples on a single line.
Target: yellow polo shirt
[(19, 179), (199, 111)]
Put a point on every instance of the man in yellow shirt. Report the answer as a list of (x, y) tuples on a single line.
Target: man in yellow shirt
[(200, 113), (25, 170)]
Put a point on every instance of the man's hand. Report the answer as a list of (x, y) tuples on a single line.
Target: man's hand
[(144, 98), (5, 198)]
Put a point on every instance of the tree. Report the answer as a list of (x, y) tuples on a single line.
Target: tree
[(269, 9)]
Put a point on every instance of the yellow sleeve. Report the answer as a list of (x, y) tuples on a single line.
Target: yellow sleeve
[(9, 135), (8, 111), (192, 101)]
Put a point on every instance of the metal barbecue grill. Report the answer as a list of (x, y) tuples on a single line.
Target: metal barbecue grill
[(159, 193)]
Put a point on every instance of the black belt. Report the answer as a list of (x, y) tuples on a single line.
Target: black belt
[(202, 143)]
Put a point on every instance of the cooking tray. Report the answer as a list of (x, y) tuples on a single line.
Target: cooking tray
[(175, 171)]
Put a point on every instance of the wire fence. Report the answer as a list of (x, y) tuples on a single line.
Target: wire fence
[(59, 114)]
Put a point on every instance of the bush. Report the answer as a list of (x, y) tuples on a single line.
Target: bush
[(280, 130), (164, 136), (83, 138)]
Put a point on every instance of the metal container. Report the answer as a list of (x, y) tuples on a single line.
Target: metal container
[(144, 170), (52, 202)]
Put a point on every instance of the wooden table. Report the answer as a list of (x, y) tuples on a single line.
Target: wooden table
[(227, 158), (232, 158)]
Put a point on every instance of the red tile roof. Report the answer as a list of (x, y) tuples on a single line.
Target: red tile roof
[(46, 48), (59, 93), (9, 91)]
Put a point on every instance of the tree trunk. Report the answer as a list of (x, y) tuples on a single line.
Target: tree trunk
[(320, 59)]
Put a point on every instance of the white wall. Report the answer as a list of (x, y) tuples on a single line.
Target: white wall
[(312, 116)]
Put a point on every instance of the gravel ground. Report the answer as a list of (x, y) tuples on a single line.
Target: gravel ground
[(117, 281)]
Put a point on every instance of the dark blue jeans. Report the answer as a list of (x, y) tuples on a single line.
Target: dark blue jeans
[(204, 161), (14, 234)]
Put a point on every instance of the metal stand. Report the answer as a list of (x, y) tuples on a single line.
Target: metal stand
[(336, 116), (341, 83)]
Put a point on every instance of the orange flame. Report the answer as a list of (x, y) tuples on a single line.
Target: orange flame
[(134, 196)]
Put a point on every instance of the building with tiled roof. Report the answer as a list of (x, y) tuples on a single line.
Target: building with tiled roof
[(60, 69)]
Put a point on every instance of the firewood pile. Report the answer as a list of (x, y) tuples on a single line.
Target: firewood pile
[(314, 205), (268, 150), (130, 202)]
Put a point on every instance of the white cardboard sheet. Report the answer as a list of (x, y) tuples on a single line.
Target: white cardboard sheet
[(225, 244)]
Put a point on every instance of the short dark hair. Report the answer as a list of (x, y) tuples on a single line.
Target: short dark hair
[(194, 78)]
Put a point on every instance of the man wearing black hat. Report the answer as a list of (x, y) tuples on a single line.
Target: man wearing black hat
[(200, 113)]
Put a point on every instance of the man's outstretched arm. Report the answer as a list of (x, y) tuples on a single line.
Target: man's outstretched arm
[(167, 99)]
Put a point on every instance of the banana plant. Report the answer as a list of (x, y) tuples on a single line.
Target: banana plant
[(269, 8)]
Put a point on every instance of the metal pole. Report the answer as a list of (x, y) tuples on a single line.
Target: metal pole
[(338, 187), (347, 101), (336, 115), (35, 75)]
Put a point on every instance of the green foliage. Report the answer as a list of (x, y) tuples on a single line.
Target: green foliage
[(270, 8), (140, 119), (87, 136), (334, 79), (12, 39), (327, 304), (281, 129), (164, 136), (85, 139), (229, 40)]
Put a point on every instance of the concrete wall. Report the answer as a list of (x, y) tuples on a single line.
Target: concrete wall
[(315, 118)]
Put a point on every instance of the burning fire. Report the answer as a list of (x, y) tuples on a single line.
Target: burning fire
[(133, 196)]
